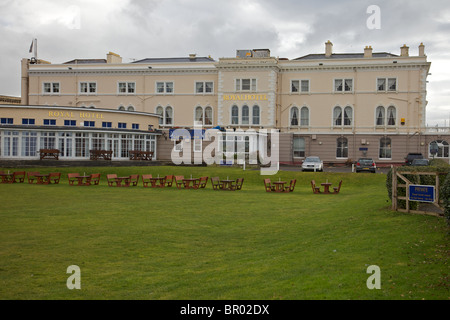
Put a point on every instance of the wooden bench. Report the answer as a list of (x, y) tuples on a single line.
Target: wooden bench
[(268, 185), (49, 154), (72, 177), (314, 188), (337, 189), (140, 155), (100, 154), (94, 179), (291, 186), (31, 176), (54, 177), (18, 176), (215, 181)]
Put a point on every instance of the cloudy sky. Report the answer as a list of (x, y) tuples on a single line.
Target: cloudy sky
[(138, 29)]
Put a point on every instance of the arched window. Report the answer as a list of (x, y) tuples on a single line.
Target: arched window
[(342, 148), (130, 108), (385, 148), (208, 116), (245, 115), (168, 115), (441, 147), (294, 116), (234, 115), (348, 116), (121, 108), (380, 115), (337, 116), (255, 115), (304, 116), (160, 112), (391, 116), (199, 114)]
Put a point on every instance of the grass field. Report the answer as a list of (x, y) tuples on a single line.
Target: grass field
[(170, 244)]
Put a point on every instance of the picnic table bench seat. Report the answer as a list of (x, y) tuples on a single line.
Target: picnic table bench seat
[(94, 178), (291, 186), (18, 176), (31, 176), (96, 154), (146, 180), (49, 154), (54, 177), (314, 187), (338, 188), (179, 181), (216, 184), (140, 155), (169, 180), (134, 179)]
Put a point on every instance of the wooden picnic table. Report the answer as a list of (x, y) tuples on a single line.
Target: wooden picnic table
[(279, 186), (140, 155), (42, 178), (49, 154), (85, 182), (158, 182), (100, 154), (326, 187), (187, 183), (119, 181), (7, 177), (227, 184)]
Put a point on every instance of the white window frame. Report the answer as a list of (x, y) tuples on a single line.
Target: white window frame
[(443, 149), (343, 85), (386, 84), (384, 148), (238, 84), (165, 87), (127, 87), (163, 119), (203, 115), (52, 88), (294, 137), (88, 87), (342, 148), (204, 87), (343, 125), (300, 86)]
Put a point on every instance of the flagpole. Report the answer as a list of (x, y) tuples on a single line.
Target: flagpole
[(35, 48)]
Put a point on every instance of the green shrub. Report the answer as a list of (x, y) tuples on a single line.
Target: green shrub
[(445, 193)]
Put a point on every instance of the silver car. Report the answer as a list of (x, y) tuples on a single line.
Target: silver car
[(313, 164)]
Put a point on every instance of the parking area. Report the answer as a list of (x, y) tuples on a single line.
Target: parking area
[(382, 170)]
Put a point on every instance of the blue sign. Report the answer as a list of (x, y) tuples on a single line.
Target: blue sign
[(422, 193), (190, 133)]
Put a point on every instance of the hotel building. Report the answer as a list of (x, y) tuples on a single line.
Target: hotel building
[(339, 106)]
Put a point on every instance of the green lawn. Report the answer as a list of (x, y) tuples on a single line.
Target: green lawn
[(144, 243)]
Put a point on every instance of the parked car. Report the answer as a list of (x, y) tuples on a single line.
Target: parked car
[(312, 163), (365, 164), (411, 156), (420, 162)]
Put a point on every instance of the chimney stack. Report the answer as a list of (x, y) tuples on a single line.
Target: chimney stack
[(368, 52), (404, 51), (328, 49), (421, 50), (112, 57)]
